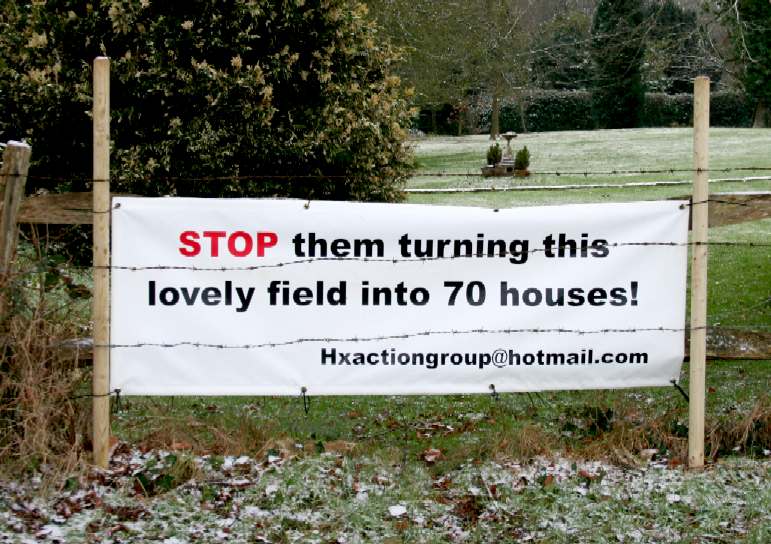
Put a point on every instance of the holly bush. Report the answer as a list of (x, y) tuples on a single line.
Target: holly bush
[(222, 89)]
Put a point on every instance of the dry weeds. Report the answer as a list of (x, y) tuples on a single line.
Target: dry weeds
[(631, 435), (43, 420), (525, 443)]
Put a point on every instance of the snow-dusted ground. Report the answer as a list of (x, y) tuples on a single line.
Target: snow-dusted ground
[(649, 148), (626, 152), (595, 158), (336, 498)]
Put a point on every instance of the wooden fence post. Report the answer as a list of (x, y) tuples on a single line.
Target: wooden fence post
[(699, 235), (101, 302), (13, 178)]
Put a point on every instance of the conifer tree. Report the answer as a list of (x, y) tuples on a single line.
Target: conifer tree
[(618, 48)]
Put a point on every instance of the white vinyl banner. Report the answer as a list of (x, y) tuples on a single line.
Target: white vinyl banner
[(265, 297)]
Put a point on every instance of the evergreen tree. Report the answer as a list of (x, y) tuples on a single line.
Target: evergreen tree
[(752, 39), (618, 48)]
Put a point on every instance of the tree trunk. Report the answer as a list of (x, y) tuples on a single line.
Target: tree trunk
[(495, 118), (522, 118), (434, 129), (762, 116), (460, 120)]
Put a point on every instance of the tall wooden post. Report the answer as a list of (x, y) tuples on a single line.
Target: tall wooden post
[(699, 236), (13, 178), (101, 303)]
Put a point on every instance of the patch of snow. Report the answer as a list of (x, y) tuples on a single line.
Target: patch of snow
[(397, 510), (228, 462), (243, 460)]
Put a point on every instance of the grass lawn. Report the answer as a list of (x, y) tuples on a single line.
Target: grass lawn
[(739, 288)]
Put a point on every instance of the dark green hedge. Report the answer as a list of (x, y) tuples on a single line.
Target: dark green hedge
[(727, 109), (571, 110), (544, 111), (663, 110), (556, 110)]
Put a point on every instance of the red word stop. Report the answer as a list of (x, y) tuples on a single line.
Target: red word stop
[(238, 243)]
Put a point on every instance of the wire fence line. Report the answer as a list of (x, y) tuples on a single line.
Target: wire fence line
[(44, 268), (85, 344), (574, 186), (322, 176), (746, 196), (424, 333)]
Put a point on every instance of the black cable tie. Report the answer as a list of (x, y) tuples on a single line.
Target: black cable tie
[(682, 391), (493, 392), (306, 399)]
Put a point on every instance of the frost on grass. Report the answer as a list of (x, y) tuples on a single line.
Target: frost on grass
[(336, 498)]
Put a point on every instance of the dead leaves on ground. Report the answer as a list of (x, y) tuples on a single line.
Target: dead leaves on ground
[(431, 456)]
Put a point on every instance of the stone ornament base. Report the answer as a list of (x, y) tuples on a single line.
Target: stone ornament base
[(502, 169)]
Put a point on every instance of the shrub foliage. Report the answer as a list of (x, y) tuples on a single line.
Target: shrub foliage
[(494, 154), (222, 88), (522, 159)]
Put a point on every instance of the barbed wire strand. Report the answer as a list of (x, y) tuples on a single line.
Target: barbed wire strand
[(575, 186), (746, 203), (257, 177), (408, 335), (396, 260), (745, 196), (393, 260)]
